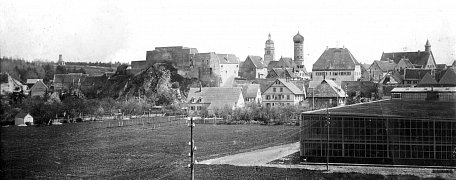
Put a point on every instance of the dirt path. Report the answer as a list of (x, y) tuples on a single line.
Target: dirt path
[(262, 156), (256, 158)]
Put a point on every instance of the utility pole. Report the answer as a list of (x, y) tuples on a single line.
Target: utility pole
[(192, 149), (327, 138), (313, 98)]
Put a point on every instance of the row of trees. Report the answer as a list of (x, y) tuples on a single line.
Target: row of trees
[(253, 111)]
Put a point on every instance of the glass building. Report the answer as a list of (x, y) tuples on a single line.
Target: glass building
[(382, 132)]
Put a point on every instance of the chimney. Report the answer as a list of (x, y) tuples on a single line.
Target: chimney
[(60, 57), (201, 86)]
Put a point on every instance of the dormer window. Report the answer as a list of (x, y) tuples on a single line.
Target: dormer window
[(192, 100), (200, 99)]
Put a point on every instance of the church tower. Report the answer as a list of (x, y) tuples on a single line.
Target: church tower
[(269, 54), (427, 47), (298, 40)]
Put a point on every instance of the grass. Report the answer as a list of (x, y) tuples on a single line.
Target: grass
[(91, 151)]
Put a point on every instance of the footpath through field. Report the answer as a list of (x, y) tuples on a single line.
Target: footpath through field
[(256, 158), (262, 157)]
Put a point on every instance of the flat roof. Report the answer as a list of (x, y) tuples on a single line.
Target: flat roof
[(396, 108), (424, 89)]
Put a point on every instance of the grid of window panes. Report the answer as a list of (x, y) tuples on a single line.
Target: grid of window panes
[(378, 137)]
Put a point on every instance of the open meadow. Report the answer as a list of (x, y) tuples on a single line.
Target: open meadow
[(92, 150)]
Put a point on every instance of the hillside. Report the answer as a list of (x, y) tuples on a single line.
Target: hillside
[(159, 83)]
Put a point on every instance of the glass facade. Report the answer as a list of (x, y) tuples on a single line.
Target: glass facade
[(378, 140)]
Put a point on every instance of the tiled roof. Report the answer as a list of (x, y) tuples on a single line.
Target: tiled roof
[(38, 85), (427, 80), (228, 59), (328, 88), (407, 63), (281, 73), (21, 115), (249, 90), (391, 79), (33, 81), (257, 61), (69, 78), (448, 78), (291, 86), (335, 59), (385, 65), (418, 58), (441, 66), (216, 96), (416, 74), (272, 64)]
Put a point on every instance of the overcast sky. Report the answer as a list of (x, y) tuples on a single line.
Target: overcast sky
[(125, 30)]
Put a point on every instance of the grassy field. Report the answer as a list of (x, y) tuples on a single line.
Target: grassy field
[(90, 150)]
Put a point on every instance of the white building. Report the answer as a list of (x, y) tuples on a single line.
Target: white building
[(336, 64)]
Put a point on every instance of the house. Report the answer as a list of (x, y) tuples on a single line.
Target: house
[(68, 81), (419, 59), (229, 69), (283, 92), (23, 119), (378, 69), (38, 89), (411, 77), (388, 83), (427, 81), (403, 64), (31, 82), (282, 73), (253, 68), (449, 78), (251, 93), (283, 62), (213, 99), (327, 93), (336, 64), (10, 85)]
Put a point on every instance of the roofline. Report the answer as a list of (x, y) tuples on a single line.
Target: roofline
[(309, 112)]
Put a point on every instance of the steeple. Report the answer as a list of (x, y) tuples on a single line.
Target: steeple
[(427, 47), (269, 54)]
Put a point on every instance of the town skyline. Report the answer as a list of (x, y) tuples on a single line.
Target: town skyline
[(122, 31)]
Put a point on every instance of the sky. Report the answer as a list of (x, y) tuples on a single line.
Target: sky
[(123, 30)]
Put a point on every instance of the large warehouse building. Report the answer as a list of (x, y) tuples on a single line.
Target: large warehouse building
[(382, 132)]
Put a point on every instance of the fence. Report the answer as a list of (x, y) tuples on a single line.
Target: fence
[(152, 121)]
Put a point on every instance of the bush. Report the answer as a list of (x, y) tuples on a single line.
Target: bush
[(78, 120)]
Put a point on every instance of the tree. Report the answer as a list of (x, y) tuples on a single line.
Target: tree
[(60, 70)]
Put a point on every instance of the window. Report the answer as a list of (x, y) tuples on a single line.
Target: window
[(198, 107), (288, 97), (396, 96), (192, 108), (273, 89), (268, 97), (281, 89)]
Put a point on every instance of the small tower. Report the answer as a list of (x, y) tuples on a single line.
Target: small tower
[(427, 47), (60, 62), (298, 40), (269, 54)]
